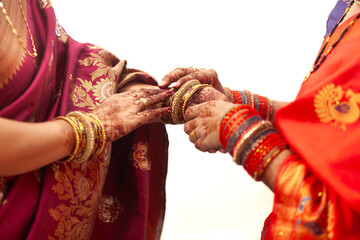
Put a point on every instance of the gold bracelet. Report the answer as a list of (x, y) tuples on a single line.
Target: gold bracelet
[(82, 136), (176, 102), (77, 141), (90, 138), (101, 132), (190, 93)]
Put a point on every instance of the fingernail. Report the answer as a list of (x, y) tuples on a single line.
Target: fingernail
[(174, 84), (168, 92), (161, 82), (168, 108)]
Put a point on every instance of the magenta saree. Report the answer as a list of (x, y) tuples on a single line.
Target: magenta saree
[(117, 195)]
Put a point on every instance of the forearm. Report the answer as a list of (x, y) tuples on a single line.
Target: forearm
[(29, 146), (276, 106), (270, 174)]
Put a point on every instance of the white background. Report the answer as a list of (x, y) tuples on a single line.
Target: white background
[(263, 46)]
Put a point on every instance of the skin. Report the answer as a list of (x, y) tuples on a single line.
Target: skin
[(204, 119), (203, 115), (179, 76), (120, 114)]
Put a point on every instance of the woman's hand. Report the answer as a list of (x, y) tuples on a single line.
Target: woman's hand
[(179, 76), (123, 113), (203, 123), (205, 95)]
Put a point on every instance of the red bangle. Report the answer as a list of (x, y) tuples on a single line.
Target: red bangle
[(237, 97), (259, 154), (227, 117), (235, 122)]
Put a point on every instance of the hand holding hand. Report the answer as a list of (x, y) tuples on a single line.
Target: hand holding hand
[(122, 113), (179, 76), (203, 123)]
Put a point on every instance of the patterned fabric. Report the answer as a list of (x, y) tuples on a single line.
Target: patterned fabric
[(117, 195), (317, 192)]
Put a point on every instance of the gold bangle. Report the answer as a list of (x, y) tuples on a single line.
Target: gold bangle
[(82, 136), (90, 138), (77, 141), (177, 99), (190, 93), (101, 132)]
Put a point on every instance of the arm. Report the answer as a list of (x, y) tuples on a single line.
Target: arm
[(270, 174), (28, 146), (203, 127)]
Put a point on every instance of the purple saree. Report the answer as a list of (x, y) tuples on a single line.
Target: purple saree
[(117, 195)]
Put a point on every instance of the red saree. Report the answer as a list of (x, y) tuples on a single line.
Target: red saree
[(317, 193), (117, 195)]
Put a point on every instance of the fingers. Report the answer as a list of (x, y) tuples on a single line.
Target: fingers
[(146, 92), (175, 75), (194, 111), (148, 101), (154, 115), (190, 126), (158, 98)]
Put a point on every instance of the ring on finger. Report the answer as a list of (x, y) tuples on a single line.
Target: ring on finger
[(194, 69), (144, 102), (192, 136)]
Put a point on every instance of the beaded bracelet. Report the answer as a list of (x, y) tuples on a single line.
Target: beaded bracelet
[(237, 97)]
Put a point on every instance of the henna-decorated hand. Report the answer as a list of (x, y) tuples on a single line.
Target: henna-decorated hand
[(179, 76), (205, 95), (203, 123), (123, 113)]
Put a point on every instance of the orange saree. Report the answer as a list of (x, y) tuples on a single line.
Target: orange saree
[(317, 192)]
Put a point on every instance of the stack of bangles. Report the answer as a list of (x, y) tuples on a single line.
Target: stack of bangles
[(90, 136), (262, 105), (251, 140), (179, 101)]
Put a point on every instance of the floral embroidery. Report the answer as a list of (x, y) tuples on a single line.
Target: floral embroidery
[(334, 106), (139, 156), (80, 187), (15, 56), (104, 89), (109, 209), (60, 33), (88, 94)]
